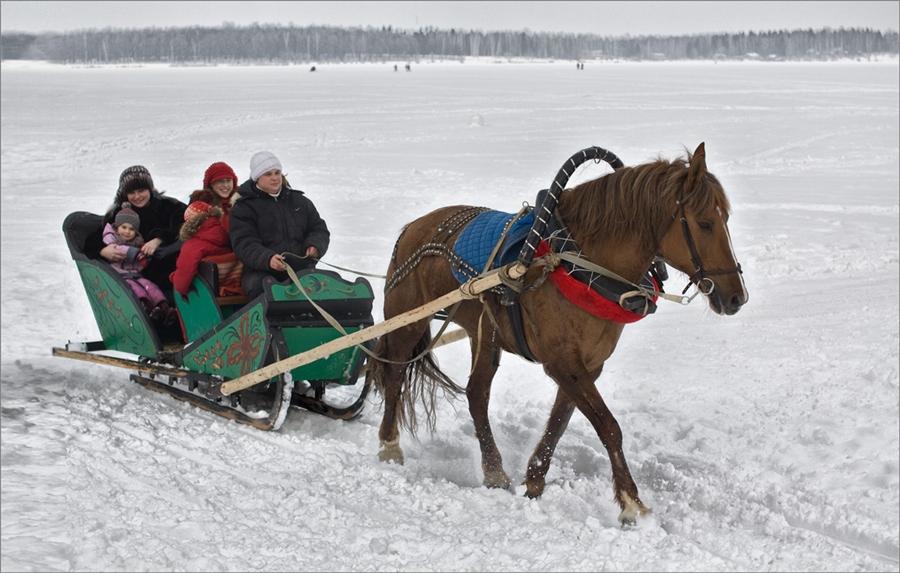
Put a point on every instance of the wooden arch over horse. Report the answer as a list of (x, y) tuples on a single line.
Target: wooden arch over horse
[(674, 210)]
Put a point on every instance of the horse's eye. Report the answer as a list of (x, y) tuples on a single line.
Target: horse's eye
[(705, 225)]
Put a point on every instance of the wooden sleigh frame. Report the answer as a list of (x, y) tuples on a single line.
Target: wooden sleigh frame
[(228, 341)]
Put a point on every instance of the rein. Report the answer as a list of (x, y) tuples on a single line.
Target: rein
[(337, 325), (354, 271), (541, 261)]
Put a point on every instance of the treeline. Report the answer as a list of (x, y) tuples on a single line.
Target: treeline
[(292, 44)]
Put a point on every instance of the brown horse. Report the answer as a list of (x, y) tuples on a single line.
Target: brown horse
[(674, 210)]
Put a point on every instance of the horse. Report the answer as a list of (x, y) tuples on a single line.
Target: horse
[(623, 221)]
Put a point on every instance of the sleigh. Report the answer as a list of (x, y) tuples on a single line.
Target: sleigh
[(225, 337)]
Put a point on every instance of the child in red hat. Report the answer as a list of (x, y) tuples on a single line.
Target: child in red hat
[(205, 236), (219, 189)]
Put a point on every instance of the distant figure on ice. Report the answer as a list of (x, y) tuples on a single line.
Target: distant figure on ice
[(123, 236), (312, 69), (408, 68), (272, 219), (395, 67)]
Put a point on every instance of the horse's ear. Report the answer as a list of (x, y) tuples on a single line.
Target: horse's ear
[(697, 167), (698, 159)]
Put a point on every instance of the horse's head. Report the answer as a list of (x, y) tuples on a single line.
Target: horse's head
[(697, 241)]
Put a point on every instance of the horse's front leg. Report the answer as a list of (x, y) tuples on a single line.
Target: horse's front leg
[(580, 388), (539, 463), (478, 392)]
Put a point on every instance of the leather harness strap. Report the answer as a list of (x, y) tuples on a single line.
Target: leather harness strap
[(514, 312)]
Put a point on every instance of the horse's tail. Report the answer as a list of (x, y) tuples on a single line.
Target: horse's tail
[(420, 381)]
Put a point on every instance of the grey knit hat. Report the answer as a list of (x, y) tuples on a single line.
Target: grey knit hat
[(127, 215)]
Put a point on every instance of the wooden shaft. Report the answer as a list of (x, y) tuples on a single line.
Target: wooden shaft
[(471, 289), (450, 338), (119, 362)]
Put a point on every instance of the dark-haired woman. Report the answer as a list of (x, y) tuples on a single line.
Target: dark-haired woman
[(161, 219)]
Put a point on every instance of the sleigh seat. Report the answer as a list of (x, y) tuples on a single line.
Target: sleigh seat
[(223, 274)]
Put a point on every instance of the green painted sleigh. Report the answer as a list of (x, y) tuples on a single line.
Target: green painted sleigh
[(224, 338)]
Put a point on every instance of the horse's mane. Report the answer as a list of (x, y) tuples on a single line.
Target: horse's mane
[(637, 199)]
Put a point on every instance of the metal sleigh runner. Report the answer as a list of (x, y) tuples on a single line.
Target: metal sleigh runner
[(554, 284)]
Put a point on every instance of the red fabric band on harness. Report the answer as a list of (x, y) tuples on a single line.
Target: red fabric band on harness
[(586, 298)]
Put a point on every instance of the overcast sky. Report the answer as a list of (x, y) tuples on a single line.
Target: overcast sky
[(605, 18)]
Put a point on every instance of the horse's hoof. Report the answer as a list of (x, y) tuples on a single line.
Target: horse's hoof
[(632, 511), (533, 489), (391, 453), (497, 480)]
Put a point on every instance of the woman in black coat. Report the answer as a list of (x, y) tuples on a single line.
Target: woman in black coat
[(271, 218), (161, 218)]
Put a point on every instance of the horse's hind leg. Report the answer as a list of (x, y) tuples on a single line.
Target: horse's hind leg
[(389, 432), (390, 378), (581, 390), (539, 463), (478, 392)]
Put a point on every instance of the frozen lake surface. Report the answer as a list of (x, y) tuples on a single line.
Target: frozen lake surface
[(763, 441)]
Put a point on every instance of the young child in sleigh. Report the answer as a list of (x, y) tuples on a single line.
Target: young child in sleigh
[(123, 233), (205, 238)]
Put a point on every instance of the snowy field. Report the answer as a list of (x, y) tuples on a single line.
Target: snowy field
[(764, 441)]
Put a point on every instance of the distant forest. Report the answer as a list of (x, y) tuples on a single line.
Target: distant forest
[(291, 44)]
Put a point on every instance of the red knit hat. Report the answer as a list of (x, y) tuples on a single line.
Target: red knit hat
[(216, 171), (196, 208)]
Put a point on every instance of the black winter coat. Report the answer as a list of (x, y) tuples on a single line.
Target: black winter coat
[(161, 218), (262, 225)]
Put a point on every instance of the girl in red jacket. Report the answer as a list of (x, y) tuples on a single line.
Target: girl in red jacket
[(205, 236), (219, 189)]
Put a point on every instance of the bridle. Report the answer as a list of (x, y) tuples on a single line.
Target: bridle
[(700, 276)]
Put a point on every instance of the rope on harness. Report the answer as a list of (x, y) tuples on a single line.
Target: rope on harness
[(337, 325), (638, 289), (321, 262)]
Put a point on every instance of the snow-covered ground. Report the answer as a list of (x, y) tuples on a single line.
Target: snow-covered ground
[(763, 441)]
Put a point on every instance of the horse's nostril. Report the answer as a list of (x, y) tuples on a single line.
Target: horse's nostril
[(737, 301)]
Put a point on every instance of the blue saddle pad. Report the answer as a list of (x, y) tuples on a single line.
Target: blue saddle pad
[(477, 240)]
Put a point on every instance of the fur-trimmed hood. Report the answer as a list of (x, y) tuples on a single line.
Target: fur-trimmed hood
[(192, 225)]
